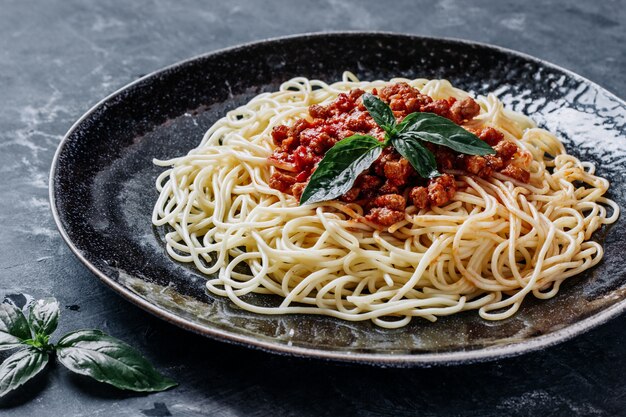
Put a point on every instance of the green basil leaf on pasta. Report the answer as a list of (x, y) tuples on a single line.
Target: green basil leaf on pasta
[(407, 122), (44, 316), (336, 173), (380, 112), (14, 328), (435, 129), (20, 367), (109, 360), (420, 158)]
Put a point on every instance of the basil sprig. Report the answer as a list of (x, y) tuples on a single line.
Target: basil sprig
[(342, 164), (87, 352)]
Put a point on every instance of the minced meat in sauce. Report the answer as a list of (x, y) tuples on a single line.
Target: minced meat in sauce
[(390, 184)]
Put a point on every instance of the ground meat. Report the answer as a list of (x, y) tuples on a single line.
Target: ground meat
[(440, 108), (388, 155), (355, 93), (384, 216), (281, 182), (391, 201), (445, 158), (475, 164), (483, 166), (351, 195), (388, 188), (360, 121), (489, 134), (304, 158), (319, 142), (398, 172), (419, 196), (319, 112), (299, 126), (505, 149), (279, 134), (516, 173), (297, 189), (494, 162), (346, 102), (464, 110), (404, 99), (369, 185), (344, 134), (384, 188), (290, 143), (441, 189), (308, 135)]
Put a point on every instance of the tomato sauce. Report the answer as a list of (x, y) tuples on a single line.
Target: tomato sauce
[(391, 183)]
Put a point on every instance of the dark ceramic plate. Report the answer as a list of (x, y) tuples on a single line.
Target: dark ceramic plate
[(102, 190)]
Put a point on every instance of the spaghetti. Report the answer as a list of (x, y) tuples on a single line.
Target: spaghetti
[(494, 243)]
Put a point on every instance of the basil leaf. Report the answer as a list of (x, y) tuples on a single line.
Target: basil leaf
[(436, 129), (380, 112), (13, 327), (342, 164), (20, 367), (407, 122), (420, 158), (44, 316), (19, 301), (106, 359)]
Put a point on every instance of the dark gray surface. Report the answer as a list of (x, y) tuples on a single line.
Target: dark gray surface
[(56, 60)]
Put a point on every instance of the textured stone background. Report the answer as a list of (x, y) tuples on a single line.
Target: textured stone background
[(59, 58)]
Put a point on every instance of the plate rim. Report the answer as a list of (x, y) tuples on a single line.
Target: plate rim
[(421, 359)]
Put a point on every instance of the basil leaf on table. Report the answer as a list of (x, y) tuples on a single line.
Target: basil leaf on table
[(87, 352), (435, 129), (380, 112), (14, 327), (20, 367), (336, 173), (44, 316), (420, 158), (106, 359)]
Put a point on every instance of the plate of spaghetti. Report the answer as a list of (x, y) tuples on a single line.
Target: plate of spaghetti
[(365, 197)]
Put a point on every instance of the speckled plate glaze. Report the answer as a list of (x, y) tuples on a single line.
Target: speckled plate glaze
[(102, 191)]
